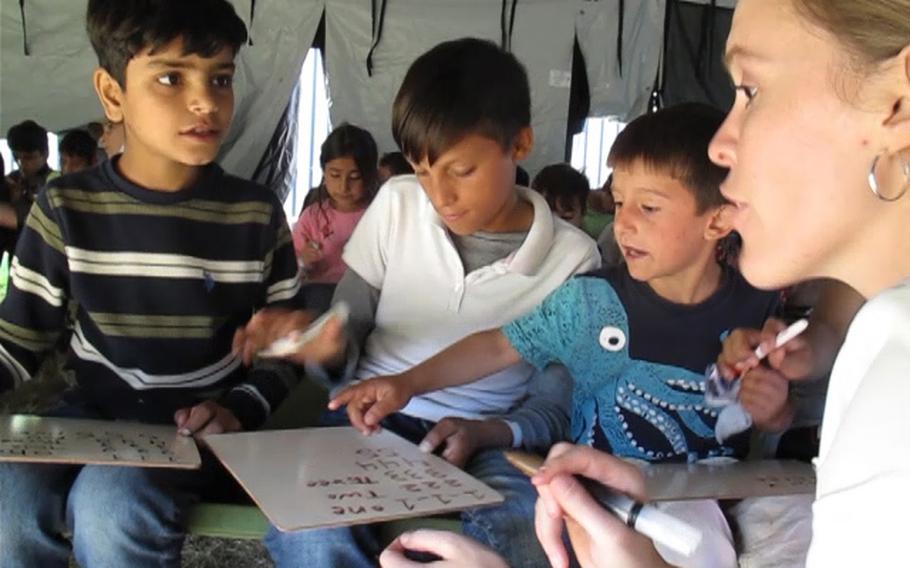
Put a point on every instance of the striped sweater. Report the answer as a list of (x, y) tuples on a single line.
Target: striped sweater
[(158, 282)]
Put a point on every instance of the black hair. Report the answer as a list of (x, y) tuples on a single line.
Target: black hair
[(675, 141), (79, 143), (121, 29), (27, 136), (522, 177), (396, 163), (349, 141), (95, 130), (564, 185), (460, 87)]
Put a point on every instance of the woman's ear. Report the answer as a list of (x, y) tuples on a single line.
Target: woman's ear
[(110, 93), (524, 143), (897, 124)]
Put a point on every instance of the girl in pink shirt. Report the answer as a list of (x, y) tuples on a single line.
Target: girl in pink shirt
[(349, 181)]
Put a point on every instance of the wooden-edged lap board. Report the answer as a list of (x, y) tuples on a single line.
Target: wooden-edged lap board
[(679, 482), (330, 477), (36, 439)]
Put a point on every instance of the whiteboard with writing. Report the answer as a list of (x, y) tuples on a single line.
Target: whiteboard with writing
[(37, 439), (735, 480), (329, 477)]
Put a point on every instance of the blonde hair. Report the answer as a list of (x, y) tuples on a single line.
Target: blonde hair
[(872, 30)]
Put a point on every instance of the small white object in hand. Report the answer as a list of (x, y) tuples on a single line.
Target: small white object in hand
[(291, 343)]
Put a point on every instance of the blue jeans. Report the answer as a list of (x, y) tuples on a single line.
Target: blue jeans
[(507, 528), (118, 516)]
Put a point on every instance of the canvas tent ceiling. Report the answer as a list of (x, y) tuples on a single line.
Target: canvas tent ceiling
[(52, 83)]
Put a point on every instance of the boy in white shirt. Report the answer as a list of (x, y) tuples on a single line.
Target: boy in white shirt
[(454, 249)]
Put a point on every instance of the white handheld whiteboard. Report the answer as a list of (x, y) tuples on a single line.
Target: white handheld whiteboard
[(26, 438), (329, 477), (673, 481)]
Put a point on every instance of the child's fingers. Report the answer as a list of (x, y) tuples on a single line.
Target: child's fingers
[(437, 436), (794, 347), (195, 419), (773, 326), (222, 421), (250, 348), (380, 409), (738, 349), (238, 341), (356, 410), (342, 398), (180, 417)]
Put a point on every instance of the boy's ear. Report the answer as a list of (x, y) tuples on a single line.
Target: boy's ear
[(524, 143), (109, 93), (720, 223)]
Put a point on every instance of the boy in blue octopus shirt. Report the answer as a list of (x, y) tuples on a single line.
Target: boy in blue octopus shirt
[(637, 337)]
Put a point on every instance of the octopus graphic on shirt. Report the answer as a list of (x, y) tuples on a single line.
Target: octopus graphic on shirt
[(638, 361)]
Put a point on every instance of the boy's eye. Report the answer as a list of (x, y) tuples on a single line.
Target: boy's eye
[(649, 209), (169, 79), (617, 204), (462, 172), (223, 81)]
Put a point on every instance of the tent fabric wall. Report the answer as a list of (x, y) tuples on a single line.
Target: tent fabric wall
[(625, 95), (694, 48), (542, 39), (53, 84)]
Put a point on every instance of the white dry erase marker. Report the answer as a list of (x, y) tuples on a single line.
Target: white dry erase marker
[(719, 392), (678, 536)]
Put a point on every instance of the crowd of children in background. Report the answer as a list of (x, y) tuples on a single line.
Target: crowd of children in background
[(352, 174)]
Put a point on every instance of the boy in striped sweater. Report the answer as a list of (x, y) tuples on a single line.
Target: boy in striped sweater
[(164, 255)]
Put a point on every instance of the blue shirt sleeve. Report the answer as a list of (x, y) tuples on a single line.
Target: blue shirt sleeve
[(547, 334)]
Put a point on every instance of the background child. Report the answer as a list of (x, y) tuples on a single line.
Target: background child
[(8, 218), (113, 138), (78, 151), (637, 337), (600, 210), (349, 181), (566, 191), (393, 164), (28, 142)]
